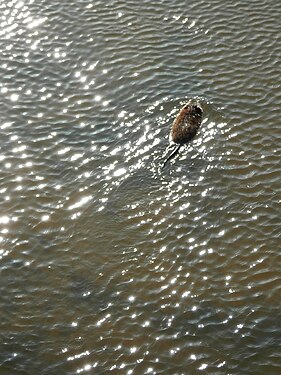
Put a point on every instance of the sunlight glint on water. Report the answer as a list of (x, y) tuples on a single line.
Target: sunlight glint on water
[(110, 263)]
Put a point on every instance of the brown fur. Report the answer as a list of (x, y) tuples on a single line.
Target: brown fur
[(185, 126), (186, 123)]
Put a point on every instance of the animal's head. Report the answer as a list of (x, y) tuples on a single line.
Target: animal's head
[(194, 107)]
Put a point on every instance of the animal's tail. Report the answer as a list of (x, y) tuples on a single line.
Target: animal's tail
[(173, 154)]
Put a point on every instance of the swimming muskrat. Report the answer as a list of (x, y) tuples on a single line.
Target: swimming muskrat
[(185, 126)]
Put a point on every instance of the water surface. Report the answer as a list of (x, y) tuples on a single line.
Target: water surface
[(109, 264)]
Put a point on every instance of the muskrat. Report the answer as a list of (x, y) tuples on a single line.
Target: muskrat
[(185, 126)]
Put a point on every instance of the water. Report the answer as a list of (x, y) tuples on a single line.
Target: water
[(108, 263)]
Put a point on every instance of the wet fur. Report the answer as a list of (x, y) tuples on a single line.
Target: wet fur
[(185, 126)]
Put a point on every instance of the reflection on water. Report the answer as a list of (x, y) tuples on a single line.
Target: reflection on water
[(108, 262)]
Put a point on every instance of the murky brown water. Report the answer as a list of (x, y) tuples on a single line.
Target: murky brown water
[(108, 264)]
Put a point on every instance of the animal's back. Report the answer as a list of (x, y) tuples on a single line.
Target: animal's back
[(185, 126), (187, 123)]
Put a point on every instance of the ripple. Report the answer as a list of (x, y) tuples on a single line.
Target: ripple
[(108, 262)]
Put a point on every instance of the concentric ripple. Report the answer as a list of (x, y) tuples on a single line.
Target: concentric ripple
[(110, 263)]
